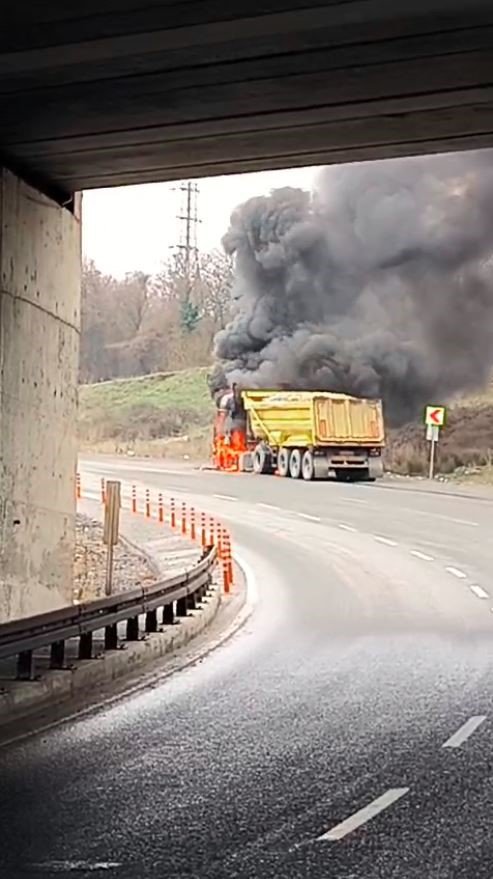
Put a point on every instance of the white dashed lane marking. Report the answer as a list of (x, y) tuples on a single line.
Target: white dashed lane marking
[(456, 572), (385, 540), (478, 591), (364, 815), (348, 528), (465, 731), (309, 517), (422, 555), (225, 497), (268, 506), (354, 500)]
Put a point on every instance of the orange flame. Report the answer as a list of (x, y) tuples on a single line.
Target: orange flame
[(227, 450)]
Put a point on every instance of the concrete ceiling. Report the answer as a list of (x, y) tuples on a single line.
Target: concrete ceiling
[(108, 92)]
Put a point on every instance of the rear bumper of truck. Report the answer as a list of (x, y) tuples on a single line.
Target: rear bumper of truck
[(367, 461)]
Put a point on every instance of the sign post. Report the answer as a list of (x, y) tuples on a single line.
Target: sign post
[(434, 420), (111, 527)]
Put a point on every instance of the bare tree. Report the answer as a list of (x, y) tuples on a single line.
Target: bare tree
[(144, 324)]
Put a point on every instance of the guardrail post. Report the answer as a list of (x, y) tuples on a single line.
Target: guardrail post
[(151, 621), (111, 637), (168, 615), (148, 504), (25, 665), (134, 499), (191, 603), (133, 629), (181, 607), (57, 654), (160, 508), (85, 646)]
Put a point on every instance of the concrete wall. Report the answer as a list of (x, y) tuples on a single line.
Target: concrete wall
[(39, 342)]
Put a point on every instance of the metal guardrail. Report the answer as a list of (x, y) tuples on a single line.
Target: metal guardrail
[(175, 596)]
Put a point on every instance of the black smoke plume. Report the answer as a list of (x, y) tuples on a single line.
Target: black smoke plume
[(378, 284)]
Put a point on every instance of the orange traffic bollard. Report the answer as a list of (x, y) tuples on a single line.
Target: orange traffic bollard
[(134, 499), (103, 490), (148, 504), (78, 492), (218, 540), (173, 512), (211, 531), (183, 518), (203, 535), (228, 556), (193, 532), (226, 582), (160, 508)]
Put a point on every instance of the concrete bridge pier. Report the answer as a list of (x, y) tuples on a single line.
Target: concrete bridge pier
[(39, 341)]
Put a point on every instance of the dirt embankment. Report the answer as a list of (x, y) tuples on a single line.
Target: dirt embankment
[(465, 446)]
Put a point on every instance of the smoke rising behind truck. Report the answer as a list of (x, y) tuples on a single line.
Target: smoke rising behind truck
[(377, 284)]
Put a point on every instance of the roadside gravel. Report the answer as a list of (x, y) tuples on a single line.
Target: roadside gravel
[(131, 568)]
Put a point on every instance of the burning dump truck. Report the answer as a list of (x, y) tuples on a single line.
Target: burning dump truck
[(301, 434)]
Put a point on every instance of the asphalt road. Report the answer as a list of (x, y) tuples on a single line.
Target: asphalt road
[(344, 733)]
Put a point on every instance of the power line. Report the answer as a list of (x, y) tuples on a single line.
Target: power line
[(188, 219)]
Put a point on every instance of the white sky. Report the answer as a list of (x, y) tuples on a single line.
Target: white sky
[(133, 227)]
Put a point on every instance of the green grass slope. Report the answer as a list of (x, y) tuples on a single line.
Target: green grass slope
[(154, 411)]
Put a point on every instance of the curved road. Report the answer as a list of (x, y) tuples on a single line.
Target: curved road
[(364, 678)]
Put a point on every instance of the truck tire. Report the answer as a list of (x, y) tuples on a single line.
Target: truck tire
[(308, 466), (283, 458), (262, 460), (295, 464)]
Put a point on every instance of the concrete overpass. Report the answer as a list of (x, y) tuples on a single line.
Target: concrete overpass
[(120, 91)]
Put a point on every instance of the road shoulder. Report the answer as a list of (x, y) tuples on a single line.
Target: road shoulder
[(30, 706)]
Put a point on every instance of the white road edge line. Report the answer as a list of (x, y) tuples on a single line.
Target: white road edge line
[(310, 518), (464, 731), (251, 581), (385, 540), (268, 506), (347, 527), (225, 497), (478, 590), (363, 815), (456, 572), (422, 555)]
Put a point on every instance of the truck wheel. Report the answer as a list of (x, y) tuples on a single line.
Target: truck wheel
[(283, 457), (262, 460), (295, 464), (308, 466)]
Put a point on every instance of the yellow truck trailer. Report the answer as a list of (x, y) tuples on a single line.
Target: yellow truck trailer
[(315, 434)]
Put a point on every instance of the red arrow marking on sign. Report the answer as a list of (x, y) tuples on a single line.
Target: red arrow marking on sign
[(435, 416)]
